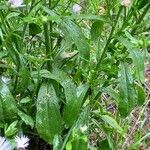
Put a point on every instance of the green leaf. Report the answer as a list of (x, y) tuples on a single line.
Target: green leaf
[(27, 119), (142, 3), (112, 122), (128, 97), (104, 145), (48, 118), (80, 143), (75, 33), (42, 73), (138, 60), (12, 129), (87, 17), (141, 94), (73, 103), (96, 29), (24, 79), (8, 107), (112, 93), (82, 92), (69, 146), (34, 29), (77, 141), (137, 57), (83, 119), (57, 142), (25, 100), (51, 14), (137, 143), (11, 15)]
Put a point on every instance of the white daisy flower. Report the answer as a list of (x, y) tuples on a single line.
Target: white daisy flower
[(22, 142), (15, 3), (76, 8), (4, 144)]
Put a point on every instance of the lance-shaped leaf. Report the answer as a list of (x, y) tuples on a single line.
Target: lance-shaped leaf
[(96, 29), (75, 33), (142, 3), (48, 118), (8, 107), (72, 105), (73, 100), (128, 96), (27, 119), (141, 94), (137, 57), (112, 122)]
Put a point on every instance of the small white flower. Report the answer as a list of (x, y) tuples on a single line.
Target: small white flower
[(15, 3), (4, 144), (22, 142), (76, 8)]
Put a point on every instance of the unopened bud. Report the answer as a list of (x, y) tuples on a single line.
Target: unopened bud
[(125, 3), (83, 129), (76, 8)]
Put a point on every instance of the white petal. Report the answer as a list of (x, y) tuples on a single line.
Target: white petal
[(15, 3), (76, 8), (22, 142), (4, 144), (1, 140)]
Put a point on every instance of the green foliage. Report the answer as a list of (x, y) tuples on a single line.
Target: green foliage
[(96, 29), (27, 119), (128, 97), (74, 32), (77, 80), (48, 118), (11, 130), (137, 57), (7, 102), (109, 120)]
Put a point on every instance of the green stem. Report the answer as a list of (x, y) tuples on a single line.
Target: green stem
[(47, 44), (51, 30), (69, 2), (55, 4), (48, 39), (67, 137), (50, 3), (141, 18), (108, 8), (109, 39), (124, 19), (94, 6), (26, 24)]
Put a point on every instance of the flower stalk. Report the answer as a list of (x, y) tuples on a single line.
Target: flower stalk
[(48, 39), (109, 39)]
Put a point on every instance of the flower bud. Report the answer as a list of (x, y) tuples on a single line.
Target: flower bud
[(76, 8), (125, 3)]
